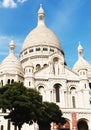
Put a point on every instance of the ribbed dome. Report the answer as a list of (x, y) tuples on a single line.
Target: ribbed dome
[(11, 64), (41, 35), (81, 64)]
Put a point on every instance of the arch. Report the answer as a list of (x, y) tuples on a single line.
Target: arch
[(38, 66), (72, 90), (8, 81), (42, 92), (12, 81), (44, 65), (66, 126), (57, 92), (82, 124), (55, 59)]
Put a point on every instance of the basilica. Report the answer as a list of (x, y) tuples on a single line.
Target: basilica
[(42, 66)]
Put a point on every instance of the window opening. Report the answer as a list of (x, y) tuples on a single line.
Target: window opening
[(45, 49), (8, 81), (37, 49), (73, 101), (31, 50)]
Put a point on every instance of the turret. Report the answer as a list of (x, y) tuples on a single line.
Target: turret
[(29, 74), (10, 68)]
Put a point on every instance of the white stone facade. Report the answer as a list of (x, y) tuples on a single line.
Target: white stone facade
[(42, 66)]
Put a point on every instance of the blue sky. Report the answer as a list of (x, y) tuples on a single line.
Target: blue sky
[(70, 20)]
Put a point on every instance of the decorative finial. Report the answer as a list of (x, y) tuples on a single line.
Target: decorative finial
[(12, 46), (80, 50), (41, 15)]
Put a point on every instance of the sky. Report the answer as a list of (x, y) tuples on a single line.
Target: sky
[(70, 20)]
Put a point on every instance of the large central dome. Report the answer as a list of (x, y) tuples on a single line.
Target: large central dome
[(41, 35)]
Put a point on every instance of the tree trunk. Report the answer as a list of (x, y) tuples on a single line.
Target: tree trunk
[(44, 127)]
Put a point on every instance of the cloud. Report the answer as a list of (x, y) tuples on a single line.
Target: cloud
[(9, 4), (22, 1)]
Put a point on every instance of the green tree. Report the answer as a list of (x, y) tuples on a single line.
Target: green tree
[(23, 103), (50, 112)]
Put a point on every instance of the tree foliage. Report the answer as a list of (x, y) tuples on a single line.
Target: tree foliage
[(23, 103), (25, 106), (50, 113)]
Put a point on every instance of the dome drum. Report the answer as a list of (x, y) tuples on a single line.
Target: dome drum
[(42, 50)]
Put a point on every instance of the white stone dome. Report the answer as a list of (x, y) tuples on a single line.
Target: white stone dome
[(41, 35), (11, 64), (81, 64)]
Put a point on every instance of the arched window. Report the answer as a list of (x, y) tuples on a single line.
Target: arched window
[(37, 49), (31, 50), (38, 66), (45, 65), (55, 59), (45, 49), (57, 92), (73, 98), (82, 125), (8, 81), (12, 81), (41, 90)]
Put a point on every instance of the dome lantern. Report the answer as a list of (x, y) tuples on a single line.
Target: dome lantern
[(12, 46), (41, 15), (80, 51)]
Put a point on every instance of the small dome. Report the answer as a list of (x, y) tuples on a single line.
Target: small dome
[(81, 64), (11, 64), (41, 35)]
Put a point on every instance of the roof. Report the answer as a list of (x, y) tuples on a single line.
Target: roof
[(11, 64), (41, 35)]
